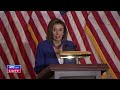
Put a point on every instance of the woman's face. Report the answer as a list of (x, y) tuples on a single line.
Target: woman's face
[(58, 32)]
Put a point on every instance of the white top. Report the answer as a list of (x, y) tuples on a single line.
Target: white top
[(60, 60)]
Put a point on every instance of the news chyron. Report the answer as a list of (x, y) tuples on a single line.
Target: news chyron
[(13, 68)]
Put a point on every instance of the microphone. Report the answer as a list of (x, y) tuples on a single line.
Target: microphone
[(66, 48), (75, 48)]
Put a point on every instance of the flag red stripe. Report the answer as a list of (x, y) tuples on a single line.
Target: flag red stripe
[(35, 30), (113, 22), (22, 49), (16, 36), (65, 17), (92, 58), (1, 75), (85, 14), (1, 25), (27, 33), (11, 48), (107, 35), (41, 20), (83, 36), (71, 31), (51, 14), (5, 60), (103, 49)]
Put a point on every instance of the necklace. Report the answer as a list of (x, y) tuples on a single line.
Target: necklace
[(57, 50), (57, 47)]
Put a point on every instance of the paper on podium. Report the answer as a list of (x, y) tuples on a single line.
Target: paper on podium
[(75, 53)]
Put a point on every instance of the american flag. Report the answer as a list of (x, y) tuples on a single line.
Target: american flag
[(94, 31)]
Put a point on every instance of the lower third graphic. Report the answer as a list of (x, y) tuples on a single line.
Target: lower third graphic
[(13, 68)]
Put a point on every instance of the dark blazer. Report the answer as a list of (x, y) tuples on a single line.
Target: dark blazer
[(45, 54)]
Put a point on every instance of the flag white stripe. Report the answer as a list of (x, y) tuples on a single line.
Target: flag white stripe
[(8, 54), (76, 32), (45, 16), (81, 18), (4, 69), (78, 36), (110, 28), (116, 17), (39, 26), (25, 16), (97, 58), (23, 38), (105, 42), (16, 48)]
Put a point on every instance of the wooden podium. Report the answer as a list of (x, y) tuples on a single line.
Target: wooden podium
[(73, 71)]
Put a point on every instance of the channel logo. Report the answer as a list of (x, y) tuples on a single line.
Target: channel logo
[(13, 68)]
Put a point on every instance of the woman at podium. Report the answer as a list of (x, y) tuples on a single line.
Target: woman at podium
[(47, 51)]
